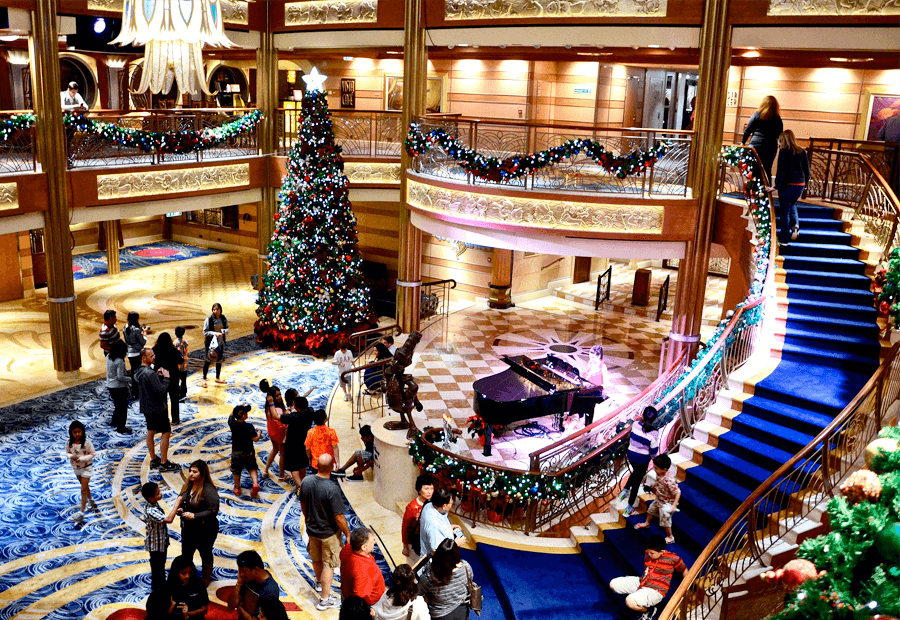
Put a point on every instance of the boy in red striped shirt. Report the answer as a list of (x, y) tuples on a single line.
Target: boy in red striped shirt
[(648, 591)]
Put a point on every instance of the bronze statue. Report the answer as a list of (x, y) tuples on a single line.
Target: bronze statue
[(402, 390)]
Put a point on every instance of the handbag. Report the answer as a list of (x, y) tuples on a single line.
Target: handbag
[(475, 596)]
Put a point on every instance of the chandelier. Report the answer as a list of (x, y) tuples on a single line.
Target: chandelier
[(173, 33)]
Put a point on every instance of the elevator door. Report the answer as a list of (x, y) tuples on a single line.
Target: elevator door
[(654, 97)]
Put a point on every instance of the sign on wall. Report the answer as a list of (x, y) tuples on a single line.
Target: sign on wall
[(348, 92)]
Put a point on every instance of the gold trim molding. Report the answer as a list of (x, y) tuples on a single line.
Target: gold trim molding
[(372, 172), (549, 9), (9, 196), (832, 7), (235, 11), (535, 212), (156, 183), (318, 12)]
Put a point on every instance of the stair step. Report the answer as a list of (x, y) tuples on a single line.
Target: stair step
[(735, 468), (817, 342), (806, 210), (797, 248), (814, 235), (496, 604), (805, 320), (836, 359), (782, 414), (833, 309), (710, 484), (810, 292), (763, 430), (832, 279), (821, 223), (766, 455), (825, 264)]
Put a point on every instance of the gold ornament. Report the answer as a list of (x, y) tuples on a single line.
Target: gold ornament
[(862, 486), (882, 443)]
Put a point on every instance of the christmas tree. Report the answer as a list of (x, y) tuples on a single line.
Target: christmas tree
[(314, 294), (853, 572)]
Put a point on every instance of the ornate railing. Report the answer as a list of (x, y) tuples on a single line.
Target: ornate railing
[(884, 156), (785, 499), (603, 292), (435, 302), (88, 150), (848, 178), (374, 134), (581, 470), (17, 151), (507, 138), (366, 374)]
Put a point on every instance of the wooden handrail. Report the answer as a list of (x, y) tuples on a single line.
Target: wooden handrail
[(374, 364), (379, 330), (439, 282), (818, 443)]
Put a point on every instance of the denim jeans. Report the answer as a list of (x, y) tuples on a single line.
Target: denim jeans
[(787, 209)]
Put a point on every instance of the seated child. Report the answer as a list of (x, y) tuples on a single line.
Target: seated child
[(659, 567), (364, 458), (243, 454), (667, 495)]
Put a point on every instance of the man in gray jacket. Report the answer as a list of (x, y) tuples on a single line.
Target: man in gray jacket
[(154, 385)]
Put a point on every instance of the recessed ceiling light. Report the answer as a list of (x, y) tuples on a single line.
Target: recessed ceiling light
[(851, 59), (10, 38), (653, 46), (750, 54)]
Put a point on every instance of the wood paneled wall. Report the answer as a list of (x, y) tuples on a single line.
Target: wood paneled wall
[(242, 239), (134, 231), (821, 103), (378, 224)]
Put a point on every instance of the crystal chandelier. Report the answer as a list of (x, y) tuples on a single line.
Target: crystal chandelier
[(173, 33)]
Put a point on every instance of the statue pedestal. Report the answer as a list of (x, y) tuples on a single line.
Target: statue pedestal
[(395, 473)]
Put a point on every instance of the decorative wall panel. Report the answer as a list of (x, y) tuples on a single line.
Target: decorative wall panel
[(317, 12), (833, 7), (536, 213), (522, 9), (133, 184), (9, 196), (371, 172), (235, 11)]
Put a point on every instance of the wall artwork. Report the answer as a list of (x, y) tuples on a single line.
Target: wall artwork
[(348, 93), (832, 7), (434, 96), (881, 108)]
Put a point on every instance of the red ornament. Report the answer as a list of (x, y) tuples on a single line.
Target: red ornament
[(793, 574), (883, 307)]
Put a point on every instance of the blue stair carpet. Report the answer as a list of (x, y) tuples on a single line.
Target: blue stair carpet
[(134, 257), (830, 350)]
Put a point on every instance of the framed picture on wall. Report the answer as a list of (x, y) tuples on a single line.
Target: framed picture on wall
[(882, 106), (435, 102)]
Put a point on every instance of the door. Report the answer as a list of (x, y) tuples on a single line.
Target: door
[(654, 97), (11, 270), (633, 115)]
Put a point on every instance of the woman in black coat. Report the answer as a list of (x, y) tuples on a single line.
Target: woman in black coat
[(793, 175), (200, 517), (763, 130), (168, 357)]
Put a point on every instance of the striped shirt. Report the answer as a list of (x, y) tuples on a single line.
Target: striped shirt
[(658, 573), (642, 446), (446, 598), (108, 335), (157, 538)]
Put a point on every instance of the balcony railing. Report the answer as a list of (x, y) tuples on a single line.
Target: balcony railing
[(849, 178), (17, 152), (87, 150), (370, 135), (884, 156), (503, 139)]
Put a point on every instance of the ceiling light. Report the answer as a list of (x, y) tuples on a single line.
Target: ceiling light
[(851, 59), (463, 44), (99, 25), (450, 47), (568, 46), (750, 54), (474, 47), (348, 58), (10, 38), (537, 46), (503, 47), (653, 46), (395, 53)]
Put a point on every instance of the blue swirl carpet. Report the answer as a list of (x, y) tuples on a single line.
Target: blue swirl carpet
[(133, 257), (54, 568)]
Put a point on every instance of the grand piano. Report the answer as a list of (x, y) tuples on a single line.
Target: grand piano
[(527, 389)]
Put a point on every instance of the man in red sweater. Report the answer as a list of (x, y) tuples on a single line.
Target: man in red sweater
[(360, 576), (409, 529)]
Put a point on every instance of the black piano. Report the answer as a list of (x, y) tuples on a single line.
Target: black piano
[(527, 389)]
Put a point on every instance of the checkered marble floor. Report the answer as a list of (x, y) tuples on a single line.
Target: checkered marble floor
[(620, 294), (453, 354)]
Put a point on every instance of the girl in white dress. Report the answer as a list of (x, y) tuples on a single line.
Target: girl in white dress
[(80, 451)]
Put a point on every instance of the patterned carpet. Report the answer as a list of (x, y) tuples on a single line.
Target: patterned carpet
[(134, 257), (51, 567)]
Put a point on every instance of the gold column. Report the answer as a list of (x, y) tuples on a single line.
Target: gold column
[(501, 279), (111, 234), (415, 70), (267, 103), (715, 58), (51, 148)]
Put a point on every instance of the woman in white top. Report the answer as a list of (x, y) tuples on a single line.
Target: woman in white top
[(80, 451), (402, 601), (344, 361)]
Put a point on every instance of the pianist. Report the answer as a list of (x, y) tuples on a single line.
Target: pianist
[(584, 401)]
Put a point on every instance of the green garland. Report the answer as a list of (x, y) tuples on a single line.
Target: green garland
[(517, 488), (167, 142), (887, 288), (18, 122), (503, 170)]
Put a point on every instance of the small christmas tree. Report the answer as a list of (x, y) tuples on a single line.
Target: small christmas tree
[(314, 294), (858, 562)]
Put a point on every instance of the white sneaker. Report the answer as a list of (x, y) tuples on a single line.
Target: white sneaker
[(332, 602), (78, 517), (346, 398), (318, 586)]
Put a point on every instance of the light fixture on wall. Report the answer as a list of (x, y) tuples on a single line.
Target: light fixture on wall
[(17, 57), (9, 38), (292, 77), (173, 35)]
